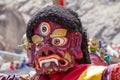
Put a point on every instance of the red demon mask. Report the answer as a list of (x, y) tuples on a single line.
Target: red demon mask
[(55, 49)]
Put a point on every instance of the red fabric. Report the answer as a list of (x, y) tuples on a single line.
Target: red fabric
[(97, 61), (70, 75), (62, 2), (42, 78), (115, 73), (11, 67)]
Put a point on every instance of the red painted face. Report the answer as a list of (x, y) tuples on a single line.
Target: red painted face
[(55, 48)]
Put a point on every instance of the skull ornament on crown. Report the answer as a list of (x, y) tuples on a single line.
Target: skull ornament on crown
[(55, 42)]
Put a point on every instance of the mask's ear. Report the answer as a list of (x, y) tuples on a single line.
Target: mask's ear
[(75, 44), (26, 45)]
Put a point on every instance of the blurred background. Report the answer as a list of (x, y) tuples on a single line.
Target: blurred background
[(101, 19)]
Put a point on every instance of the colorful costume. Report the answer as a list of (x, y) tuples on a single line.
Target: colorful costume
[(57, 47), (97, 53)]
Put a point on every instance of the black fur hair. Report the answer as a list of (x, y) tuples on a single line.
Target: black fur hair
[(65, 17)]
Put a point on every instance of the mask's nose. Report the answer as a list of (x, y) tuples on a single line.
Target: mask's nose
[(47, 40), (45, 48)]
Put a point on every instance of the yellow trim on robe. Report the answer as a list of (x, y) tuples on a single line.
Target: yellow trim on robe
[(92, 73)]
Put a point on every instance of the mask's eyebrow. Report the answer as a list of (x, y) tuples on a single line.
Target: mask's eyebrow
[(37, 38), (59, 33)]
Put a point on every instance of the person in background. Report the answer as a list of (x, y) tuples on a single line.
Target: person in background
[(17, 66), (12, 67), (96, 52), (111, 50), (23, 64)]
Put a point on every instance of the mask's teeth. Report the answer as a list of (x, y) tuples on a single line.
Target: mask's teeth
[(56, 62), (49, 60), (47, 64)]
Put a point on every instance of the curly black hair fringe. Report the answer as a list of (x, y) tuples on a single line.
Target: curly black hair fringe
[(84, 48)]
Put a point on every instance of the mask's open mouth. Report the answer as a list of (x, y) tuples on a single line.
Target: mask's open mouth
[(46, 61), (49, 62)]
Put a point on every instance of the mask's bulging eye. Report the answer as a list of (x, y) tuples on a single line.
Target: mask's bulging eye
[(59, 41), (44, 28)]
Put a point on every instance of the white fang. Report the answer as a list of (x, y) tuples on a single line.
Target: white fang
[(49, 60)]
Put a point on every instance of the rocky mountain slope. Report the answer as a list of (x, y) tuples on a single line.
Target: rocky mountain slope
[(101, 18)]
